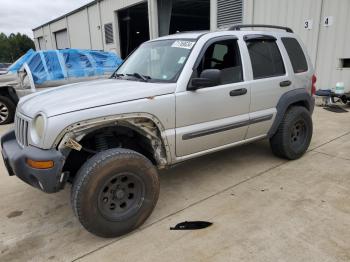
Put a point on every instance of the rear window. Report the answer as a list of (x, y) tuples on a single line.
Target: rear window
[(266, 58), (296, 54)]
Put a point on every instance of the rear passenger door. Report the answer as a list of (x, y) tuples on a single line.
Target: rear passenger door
[(270, 81)]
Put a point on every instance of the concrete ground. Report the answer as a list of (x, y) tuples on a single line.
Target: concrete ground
[(263, 209)]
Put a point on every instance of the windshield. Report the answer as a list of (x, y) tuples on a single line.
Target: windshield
[(160, 60)]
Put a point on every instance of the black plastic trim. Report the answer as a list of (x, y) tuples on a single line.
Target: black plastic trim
[(210, 42), (239, 27), (15, 157), (300, 95), (286, 83), (224, 128), (260, 119), (238, 92), (256, 37)]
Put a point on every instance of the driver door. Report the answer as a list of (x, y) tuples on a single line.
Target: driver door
[(213, 117)]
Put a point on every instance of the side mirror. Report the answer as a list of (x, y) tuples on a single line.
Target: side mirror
[(208, 78)]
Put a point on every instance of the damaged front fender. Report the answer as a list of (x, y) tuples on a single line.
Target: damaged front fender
[(149, 128)]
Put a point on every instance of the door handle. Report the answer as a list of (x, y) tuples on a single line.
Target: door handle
[(285, 83), (238, 92)]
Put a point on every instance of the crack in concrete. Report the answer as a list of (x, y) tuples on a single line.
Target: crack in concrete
[(327, 154)]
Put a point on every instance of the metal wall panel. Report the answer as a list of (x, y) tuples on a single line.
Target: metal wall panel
[(48, 37), (79, 30), (326, 45), (95, 27), (334, 44), (58, 25), (292, 14)]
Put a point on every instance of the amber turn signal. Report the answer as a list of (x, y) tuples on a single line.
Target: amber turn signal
[(40, 164)]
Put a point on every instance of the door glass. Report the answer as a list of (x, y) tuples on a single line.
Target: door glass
[(296, 54), (266, 59), (225, 56)]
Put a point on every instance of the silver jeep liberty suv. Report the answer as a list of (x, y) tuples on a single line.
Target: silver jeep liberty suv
[(175, 98)]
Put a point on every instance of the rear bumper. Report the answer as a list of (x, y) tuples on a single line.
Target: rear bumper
[(48, 180)]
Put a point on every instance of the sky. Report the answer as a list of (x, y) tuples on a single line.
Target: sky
[(24, 15)]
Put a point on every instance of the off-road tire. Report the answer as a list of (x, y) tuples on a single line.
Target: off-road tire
[(285, 142), (90, 201), (11, 109)]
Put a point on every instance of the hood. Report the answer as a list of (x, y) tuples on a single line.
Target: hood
[(74, 97)]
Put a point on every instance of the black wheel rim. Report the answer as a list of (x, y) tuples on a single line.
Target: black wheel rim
[(298, 134), (121, 196)]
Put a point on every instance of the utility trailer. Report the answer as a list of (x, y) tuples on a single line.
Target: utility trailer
[(330, 97)]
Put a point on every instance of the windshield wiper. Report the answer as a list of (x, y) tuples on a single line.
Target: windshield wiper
[(139, 76), (118, 75)]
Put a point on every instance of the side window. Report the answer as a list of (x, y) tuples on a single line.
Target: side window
[(266, 58), (224, 56), (37, 69), (219, 53), (296, 54)]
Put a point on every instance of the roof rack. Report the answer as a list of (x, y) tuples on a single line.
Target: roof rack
[(238, 27)]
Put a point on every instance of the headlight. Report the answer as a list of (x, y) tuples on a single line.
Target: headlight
[(38, 128)]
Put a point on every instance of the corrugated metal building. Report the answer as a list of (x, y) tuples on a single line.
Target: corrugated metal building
[(121, 25)]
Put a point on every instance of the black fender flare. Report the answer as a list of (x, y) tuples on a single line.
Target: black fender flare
[(297, 96)]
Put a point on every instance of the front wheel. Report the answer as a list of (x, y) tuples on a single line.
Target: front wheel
[(114, 192), (294, 134)]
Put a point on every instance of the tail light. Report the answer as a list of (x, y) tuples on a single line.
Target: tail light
[(313, 87)]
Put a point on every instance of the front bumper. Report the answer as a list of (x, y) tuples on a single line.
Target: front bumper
[(48, 180)]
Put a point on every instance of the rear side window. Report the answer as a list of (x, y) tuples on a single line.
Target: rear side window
[(266, 58), (296, 54)]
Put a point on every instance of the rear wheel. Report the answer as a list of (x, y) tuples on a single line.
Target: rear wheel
[(115, 192), (294, 134), (7, 110)]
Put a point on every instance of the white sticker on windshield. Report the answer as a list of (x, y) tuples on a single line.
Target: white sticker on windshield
[(182, 60), (183, 44)]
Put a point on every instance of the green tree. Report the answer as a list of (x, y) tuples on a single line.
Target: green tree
[(14, 46), (4, 48)]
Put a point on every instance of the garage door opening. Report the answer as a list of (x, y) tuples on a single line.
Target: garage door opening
[(133, 28), (61, 38), (183, 15)]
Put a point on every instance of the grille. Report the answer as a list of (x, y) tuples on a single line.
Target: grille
[(21, 130), (230, 12)]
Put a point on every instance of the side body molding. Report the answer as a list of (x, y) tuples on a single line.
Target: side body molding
[(300, 95)]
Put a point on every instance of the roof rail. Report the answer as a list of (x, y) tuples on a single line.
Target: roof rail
[(238, 27)]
